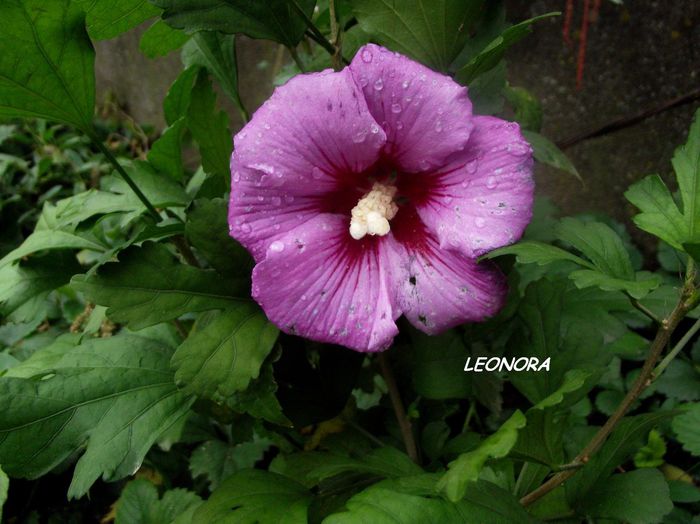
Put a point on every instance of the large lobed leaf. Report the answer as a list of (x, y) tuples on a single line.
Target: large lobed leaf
[(148, 285), (46, 62), (113, 396), (107, 19)]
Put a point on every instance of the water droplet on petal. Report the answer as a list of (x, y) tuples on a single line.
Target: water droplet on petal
[(236, 176), (245, 227), (288, 199), (359, 137), (399, 125), (471, 166), (367, 56), (479, 222), (438, 126), (396, 108), (405, 84), (316, 173), (364, 81), (276, 201), (277, 246), (379, 84), (491, 182)]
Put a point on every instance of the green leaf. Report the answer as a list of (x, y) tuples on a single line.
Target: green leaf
[(652, 454), (216, 460), (533, 252), (438, 363), (259, 399), (547, 152), (270, 20), (659, 214), (4, 487), (528, 113), (139, 504), (686, 163), (216, 53), (492, 54), (466, 468), (600, 244), (209, 127), (112, 396), (224, 351), (625, 440), (680, 381), (256, 496), (161, 190), (432, 32), (161, 39), (207, 231), (637, 288), (166, 152), (177, 100), (46, 62), (541, 440), (637, 497), (687, 429), (148, 286), (107, 19), (574, 379), (46, 240)]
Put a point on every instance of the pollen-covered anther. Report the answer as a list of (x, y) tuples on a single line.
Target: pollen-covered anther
[(373, 211)]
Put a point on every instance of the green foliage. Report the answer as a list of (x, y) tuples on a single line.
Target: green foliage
[(687, 427), (547, 152), (106, 19), (272, 20), (140, 504), (4, 485), (430, 32), (46, 62), (161, 39)]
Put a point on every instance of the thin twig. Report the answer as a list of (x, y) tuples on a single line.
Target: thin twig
[(318, 35), (677, 349), (643, 309), (688, 301), (297, 60), (336, 57), (629, 121), (397, 403), (184, 248)]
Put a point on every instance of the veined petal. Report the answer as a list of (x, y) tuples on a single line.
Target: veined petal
[(440, 288), (308, 140), (483, 198), (426, 115), (319, 283)]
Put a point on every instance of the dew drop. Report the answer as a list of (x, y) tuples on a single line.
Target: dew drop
[(261, 198), (364, 81), (245, 227), (399, 125), (491, 182), (276, 201), (438, 126), (479, 222), (374, 129), (366, 56), (471, 167), (405, 84), (359, 137), (316, 173), (379, 84), (288, 199), (396, 108), (277, 246), (236, 176)]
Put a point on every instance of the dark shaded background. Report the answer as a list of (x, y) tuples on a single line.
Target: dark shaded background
[(639, 56)]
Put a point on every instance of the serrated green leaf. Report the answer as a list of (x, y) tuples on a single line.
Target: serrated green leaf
[(256, 496), (432, 32), (209, 127), (161, 39), (216, 460), (107, 19), (166, 152), (216, 53), (492, 54), (47, 241), (659, 214), (46, 62), (275, 20), (259, 399), (652, 454), (686, 164), (600, 244), (533, 252), (574, 379), (224, 351), (139, 504), (178, 98), (148, 286), (58, 410), (637, 497), (687, 429), (547, 152), (637, 288), (466, 468), (679, 381)]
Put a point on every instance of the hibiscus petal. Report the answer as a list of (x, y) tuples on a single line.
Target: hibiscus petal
[(319, 283), (483, 198), (308, 139), (440, 288), (426, 115)]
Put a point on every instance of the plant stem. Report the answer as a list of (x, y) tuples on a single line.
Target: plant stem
[(297, 60), (322, 41), (642, 308), (184, 248), (122, 172), (677, 349), (688, 301), (399, 411), (245, 116), (336, 58)]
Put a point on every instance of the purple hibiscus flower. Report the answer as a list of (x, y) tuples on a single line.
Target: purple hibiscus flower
[(369, 193)]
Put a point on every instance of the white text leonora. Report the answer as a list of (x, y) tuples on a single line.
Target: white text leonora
[(480, 364)]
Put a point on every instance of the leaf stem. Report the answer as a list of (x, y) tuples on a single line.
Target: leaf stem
[(642, 308), (397, 403), (336, 57), (677, 349), (130, 182), (688, 300), (297, 59), (318, 35)]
